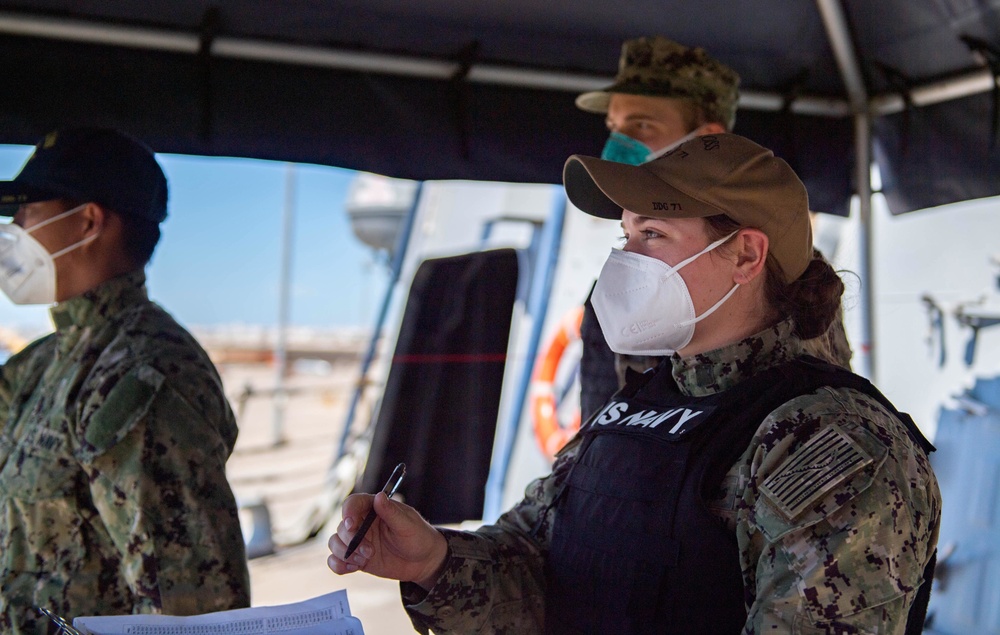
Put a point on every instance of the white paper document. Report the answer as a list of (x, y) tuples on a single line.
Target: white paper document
[(324, 615)]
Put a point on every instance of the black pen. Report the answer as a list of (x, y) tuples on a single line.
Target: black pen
[(390, 488)]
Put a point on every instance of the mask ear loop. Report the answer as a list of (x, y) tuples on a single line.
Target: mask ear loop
[(704, 251), (656, 154), (49, 221), (76, 245), (711, 310), (64, 250), (728, 295)]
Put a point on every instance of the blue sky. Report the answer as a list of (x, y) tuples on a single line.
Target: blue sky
[(219, 259)]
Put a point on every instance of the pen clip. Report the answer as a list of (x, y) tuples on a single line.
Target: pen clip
[(63, 626), (395, 479)]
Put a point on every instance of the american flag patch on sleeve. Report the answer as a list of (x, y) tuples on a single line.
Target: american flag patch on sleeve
[(823, 463)]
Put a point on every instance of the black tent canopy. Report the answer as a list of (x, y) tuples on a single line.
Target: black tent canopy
[(484, 90), (452, 89)]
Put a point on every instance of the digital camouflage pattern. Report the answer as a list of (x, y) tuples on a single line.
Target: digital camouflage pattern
[(113, 491), (849, 558), (832, 346), (658, 67)]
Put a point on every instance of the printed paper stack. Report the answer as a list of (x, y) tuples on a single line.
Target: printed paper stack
[(324, 615)]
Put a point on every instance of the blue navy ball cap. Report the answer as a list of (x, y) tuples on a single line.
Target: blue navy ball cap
[(101, 165)]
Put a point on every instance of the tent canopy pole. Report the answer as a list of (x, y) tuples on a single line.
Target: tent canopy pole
[(838, 31)]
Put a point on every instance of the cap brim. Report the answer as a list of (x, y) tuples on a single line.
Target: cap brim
[(16, 193), (598, 101), (595, 101), (604, 188)]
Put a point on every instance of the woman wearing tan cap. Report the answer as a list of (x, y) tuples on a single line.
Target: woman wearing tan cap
[(739, 487)]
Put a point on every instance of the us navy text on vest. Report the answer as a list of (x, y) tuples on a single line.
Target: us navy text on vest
[(675, 421)]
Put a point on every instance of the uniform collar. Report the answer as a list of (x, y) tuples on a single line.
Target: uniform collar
[(721, 369), (100, 303)]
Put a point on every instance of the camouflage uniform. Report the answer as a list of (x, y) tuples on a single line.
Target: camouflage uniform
[(849, 562), (113, 492), (832, 346)]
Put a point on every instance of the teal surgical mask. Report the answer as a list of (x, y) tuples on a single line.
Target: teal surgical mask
[(624, 149)]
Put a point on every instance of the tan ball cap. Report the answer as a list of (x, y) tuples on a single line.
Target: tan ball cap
[(709, 175)]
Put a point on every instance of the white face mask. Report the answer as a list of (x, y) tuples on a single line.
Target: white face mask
[(643, 304), (27, 269)]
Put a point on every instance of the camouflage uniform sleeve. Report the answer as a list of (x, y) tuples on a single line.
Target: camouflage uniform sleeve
[(8, 382), (156, 464), (23, 368), (839, 518), (494, 580)]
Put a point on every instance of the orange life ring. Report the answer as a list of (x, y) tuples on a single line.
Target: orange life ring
[(550, 434)]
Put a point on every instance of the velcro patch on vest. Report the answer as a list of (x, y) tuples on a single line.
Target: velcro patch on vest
[(126, 403), (667, 422), (823, 463)]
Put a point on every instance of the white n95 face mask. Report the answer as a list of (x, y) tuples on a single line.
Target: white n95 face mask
[(643, 304), (27, 269)]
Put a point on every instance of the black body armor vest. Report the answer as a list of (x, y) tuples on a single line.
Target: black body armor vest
[(635, 549)]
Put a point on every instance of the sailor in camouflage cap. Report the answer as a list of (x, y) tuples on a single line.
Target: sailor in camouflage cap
[(116, 431), (658, 67), (740, 487)]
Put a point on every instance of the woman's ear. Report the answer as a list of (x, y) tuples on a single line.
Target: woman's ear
[(751, 254)]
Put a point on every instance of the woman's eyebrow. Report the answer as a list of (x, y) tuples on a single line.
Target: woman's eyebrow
[(645, 219)]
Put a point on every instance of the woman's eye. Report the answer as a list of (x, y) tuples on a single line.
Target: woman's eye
[(649, 233)]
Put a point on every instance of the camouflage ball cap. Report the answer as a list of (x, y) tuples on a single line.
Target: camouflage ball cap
[(706, 176), (658, 67)]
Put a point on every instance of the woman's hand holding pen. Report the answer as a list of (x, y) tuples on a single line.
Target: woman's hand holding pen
[(400, 545)]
